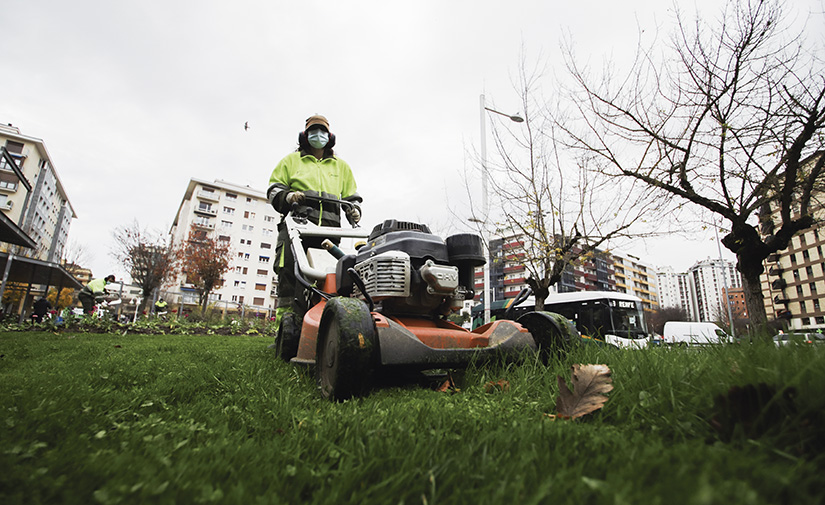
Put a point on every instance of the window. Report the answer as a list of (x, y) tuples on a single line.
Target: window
[(237, 270), (264, 245), (231, 196), (813, 288), (258, 301), (240, 299), (229, 211), (267, 232), (799, 291), (802, 239), (224, 238), (247, 227), (802, 306), (262, 272), (248, 215), (796, 275), (820, 319), (793, 259), (805, 255), (248, 200), (243, 284), (245, 270), (260, 287), (269, 219), (816, 305), (226, 224), (234, 298), (809, 270), (204, 206), (263, 259)]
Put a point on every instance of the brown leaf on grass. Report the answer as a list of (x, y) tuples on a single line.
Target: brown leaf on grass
[(499, 385), (590, 384), (448, 386)]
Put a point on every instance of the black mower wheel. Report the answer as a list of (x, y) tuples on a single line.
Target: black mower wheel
[(289, 334), (552, 332), (347, 349)]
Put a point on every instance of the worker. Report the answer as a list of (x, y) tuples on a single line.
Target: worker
[(93, 292), (160, 307), (314, 170), (41, 307)]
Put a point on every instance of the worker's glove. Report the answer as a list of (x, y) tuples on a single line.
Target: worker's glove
[(294, 197), (353, 214)]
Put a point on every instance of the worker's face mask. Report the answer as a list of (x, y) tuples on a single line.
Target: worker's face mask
[(318, 138)]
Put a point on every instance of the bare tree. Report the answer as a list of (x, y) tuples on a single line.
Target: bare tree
[(204, 261), (148, 257), (724, 117), (560, 211), (76, 254)]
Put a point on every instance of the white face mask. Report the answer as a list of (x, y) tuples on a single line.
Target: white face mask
[(318, 138)]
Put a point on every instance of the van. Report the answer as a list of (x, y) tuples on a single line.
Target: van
[(693, 333)]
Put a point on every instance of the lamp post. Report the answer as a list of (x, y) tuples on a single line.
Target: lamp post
[(483, 109)]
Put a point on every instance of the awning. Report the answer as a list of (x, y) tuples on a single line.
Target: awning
[(34, 271), (11, 233)]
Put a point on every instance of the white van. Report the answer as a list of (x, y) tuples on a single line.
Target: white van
[(693, 333)]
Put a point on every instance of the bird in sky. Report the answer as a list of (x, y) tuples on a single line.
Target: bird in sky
[(246, 126)]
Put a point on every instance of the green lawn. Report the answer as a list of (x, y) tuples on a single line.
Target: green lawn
[(214, 419)]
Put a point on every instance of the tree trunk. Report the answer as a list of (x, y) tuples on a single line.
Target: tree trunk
[(751, 268)]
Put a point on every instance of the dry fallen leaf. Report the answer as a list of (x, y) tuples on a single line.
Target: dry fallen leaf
[(590, 384), (499, 385)]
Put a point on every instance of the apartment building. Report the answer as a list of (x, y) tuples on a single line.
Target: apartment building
[(508, 270), (636, 277), (793, 283), (676, 290), (241, 216), (711, 282), (44, 212)]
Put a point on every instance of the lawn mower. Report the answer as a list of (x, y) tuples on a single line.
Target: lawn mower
[(383, 306)]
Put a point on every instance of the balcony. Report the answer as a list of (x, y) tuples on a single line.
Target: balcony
[(518, 280), (204, 225), (211, 196), (773, 258), (206, 212), (511, 270), (7, 205), (780, 299), (777, 270), (779, 284)]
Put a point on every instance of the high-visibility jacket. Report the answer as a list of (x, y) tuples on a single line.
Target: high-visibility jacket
[(331, 177), (97, 286)]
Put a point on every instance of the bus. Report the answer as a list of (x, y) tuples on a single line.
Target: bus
[(615, 318)]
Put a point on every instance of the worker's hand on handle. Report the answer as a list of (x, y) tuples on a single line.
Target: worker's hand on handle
[(353, 214), (294, 197)]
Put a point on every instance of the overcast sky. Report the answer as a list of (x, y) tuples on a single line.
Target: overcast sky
[(132, 99)]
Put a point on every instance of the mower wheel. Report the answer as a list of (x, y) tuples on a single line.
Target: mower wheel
[(347, 349), (552, 332), (289, 334)]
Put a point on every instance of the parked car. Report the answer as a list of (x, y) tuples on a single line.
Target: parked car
[(798, 338)]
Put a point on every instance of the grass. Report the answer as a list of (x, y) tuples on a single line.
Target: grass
[(103, 418)]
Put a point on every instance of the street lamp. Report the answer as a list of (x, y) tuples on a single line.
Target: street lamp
[(484, 198)]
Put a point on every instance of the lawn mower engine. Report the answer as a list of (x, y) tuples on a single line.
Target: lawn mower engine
[(408, 271)]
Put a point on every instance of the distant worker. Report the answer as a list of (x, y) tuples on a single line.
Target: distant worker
[(160, 306), (41, 307), (93, 292), (312, 170)]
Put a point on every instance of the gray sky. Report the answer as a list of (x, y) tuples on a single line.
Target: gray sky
[(134, 98)]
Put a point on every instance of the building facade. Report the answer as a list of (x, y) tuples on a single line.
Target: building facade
[(636, 277), (711, 281), (44, 213), (241, 216), (793, 283)]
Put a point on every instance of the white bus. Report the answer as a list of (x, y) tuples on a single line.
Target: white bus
[(615, 318)]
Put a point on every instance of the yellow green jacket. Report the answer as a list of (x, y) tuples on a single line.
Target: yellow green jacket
[(331, 177)]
